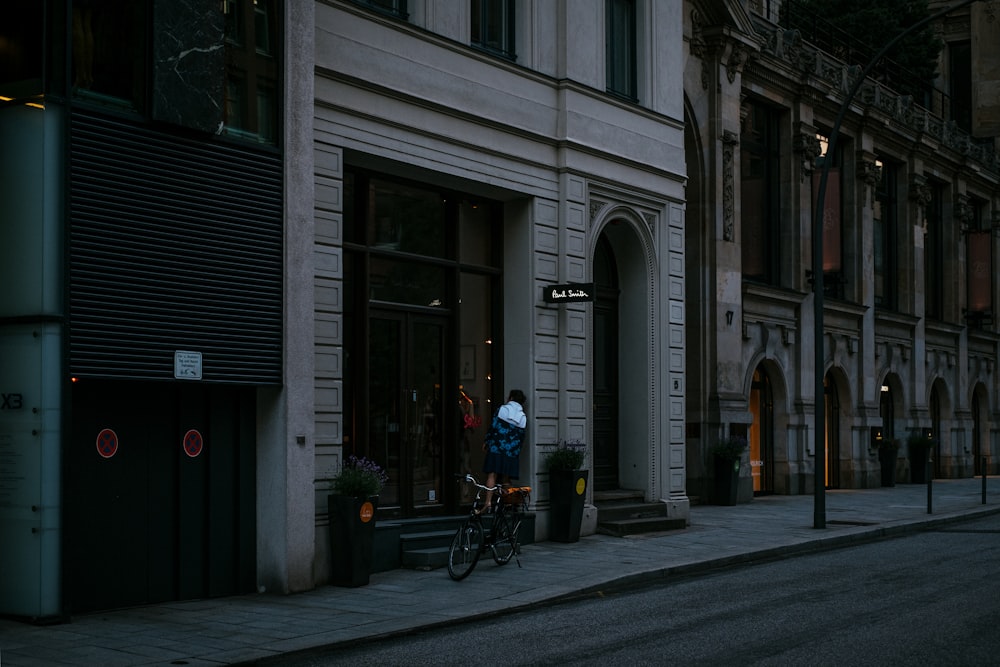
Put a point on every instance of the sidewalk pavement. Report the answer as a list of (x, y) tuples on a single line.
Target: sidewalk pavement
[(258, 627)]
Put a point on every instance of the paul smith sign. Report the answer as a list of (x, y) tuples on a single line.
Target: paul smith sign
[(569, 293)]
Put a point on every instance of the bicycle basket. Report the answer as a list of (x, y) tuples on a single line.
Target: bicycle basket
[(516, 495)]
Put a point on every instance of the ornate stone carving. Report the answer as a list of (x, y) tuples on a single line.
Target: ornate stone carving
[(699, 47), (738, 56), (729, 141), (870, 174), (595, 208), (964, 213), (806, 145), (650, 219), (920, 193)]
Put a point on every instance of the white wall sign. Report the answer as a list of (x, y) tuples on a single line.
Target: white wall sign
[(187, 365)]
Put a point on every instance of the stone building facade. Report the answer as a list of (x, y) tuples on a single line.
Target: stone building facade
[(909, 246)]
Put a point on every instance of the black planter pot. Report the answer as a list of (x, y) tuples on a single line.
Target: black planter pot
[(567, 494), (727, 480), (352, 539), (887, 457), (918, 463)]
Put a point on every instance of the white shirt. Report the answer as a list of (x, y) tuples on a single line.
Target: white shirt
[(513, 413)]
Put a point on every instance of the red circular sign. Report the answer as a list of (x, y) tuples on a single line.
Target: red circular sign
[(107, 443), (367, 512), (193, 443)]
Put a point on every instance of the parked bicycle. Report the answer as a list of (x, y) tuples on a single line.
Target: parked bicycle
[(472, 538)]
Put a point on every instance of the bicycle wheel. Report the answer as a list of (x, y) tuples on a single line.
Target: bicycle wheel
[(505, 545), (465, 549)]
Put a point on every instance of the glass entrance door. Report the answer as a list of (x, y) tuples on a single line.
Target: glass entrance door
[(405, 357)]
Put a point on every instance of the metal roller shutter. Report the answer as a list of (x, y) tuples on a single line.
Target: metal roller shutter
[(175, 244)]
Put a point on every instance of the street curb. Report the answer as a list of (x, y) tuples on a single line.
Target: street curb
[(871, 534), (894, 529)]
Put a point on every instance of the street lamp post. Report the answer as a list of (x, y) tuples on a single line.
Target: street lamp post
[(819, 504)]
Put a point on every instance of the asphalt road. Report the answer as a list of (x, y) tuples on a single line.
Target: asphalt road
[(930, 598)]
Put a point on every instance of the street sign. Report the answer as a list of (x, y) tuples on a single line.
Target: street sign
[(187, 365), (107, 443)]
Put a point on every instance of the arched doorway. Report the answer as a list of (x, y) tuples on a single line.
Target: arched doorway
[(605, 464), (623, 380), (831, 400), (761, 434), (887, 411)]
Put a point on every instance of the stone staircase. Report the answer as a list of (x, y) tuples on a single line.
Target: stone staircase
[(624, 512)]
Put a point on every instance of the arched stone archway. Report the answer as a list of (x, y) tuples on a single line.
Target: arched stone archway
[(837, 407), (624, 378), (980, 429)]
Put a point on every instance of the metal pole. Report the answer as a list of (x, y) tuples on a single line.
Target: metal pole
[(930, 481), (819, 483), (984, 480)]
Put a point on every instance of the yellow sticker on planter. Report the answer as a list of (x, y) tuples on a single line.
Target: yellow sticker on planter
[(581, 486), (367, 512)]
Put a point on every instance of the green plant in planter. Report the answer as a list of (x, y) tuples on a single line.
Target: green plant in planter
[(567, 456), (359, 477), (730, 448)]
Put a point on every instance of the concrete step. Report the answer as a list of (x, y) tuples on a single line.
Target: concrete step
[(623, 527), (629, 510), (430, 558)]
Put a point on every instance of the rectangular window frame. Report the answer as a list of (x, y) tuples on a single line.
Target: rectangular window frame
[(492, 27), (394, 8), (934, 268), (764, 122), (253, 73), (834, 280), (621, 49), (885, 256), (979, 267)]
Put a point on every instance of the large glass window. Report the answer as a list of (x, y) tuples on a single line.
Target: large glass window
[(421, 283), (252, 50), (960, 84), (111, 52), (407, 219), (21, 43), (979, 281), (493, 26), (620, 43), (884, 227), (934, 255), (759, 183), (833, 219)]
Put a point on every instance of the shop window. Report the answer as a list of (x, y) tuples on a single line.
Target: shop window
[(21, 45), (406, 219), (422, 343), (620, 44), (934, 280), (493, 26), (410, 283), (111, 53), (759, 193), (884, 229)]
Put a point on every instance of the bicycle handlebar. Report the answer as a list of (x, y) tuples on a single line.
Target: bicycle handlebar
[(472, 480)]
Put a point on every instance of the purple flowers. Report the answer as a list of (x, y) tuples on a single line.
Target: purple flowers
[(360, 477)]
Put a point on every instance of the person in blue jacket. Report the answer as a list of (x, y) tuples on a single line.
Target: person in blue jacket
[(503, 441)]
